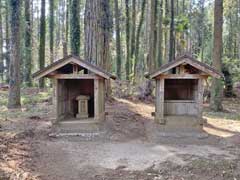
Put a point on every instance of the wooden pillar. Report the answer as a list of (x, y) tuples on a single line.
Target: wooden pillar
[(159, 114), (56, 100), (200, 99), (96, 99)]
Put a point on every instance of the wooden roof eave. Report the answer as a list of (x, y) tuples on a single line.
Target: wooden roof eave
[(70, 59), (207, 69)]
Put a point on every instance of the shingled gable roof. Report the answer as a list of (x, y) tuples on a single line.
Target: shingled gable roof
[(72, 59), (189, 60)]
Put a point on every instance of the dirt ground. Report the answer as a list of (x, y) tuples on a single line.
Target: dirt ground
[(127, 151)]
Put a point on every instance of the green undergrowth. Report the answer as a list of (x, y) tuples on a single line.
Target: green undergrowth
[(33, 101), (222, 115), (231, 110)]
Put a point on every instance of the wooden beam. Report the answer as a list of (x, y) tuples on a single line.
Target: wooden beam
[(75, 76), (180, 76)]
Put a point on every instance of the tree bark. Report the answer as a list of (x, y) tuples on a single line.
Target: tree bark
[(65, 43), (127, 65), (166, 34), (75, 27), (51, 29), (133, 37), (118, 40), (160, 37), (138, 35), (7, 40), (98, 24), (14, 81), (1, 44), (42, 42), (28, 45), (172, 38), (151, 61), (216, 94)]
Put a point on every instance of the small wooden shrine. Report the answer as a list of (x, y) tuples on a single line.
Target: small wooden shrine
[(179, 89), (79, 89)]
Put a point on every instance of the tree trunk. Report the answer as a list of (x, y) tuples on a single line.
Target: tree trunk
[(151, 61), (65, 43), (138, 36), (216, 94), (172, 38), (90, 31), (14, 82), (42, 42), (118, 40), (75, 27), (127, 65), (28, 45), (51, 29), (64, 27), (159, 44), (166, 34), (7, 40), (202, 28), (1, 44), (98, 26), (133, 28)]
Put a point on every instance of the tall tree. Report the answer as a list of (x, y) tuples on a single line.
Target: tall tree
[(14, 81), (41, 54), (151, 61), (139, 28), (133, 29), (97, 32), (51, 29), (118, 40), (172, 39), (75, 27), (65, 43), (1, 44), (7, 39), (160, 34), (127, 65), (28, 44), (216, 93), (166, 34), (64, 21)]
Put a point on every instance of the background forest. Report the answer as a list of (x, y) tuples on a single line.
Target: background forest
[(125, 37)]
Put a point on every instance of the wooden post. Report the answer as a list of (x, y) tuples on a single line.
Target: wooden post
[(56, 101), (75, 69), (200, 99), (96, 99), (159, 118)]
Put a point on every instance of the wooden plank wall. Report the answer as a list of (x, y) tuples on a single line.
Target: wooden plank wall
[(180, 108)]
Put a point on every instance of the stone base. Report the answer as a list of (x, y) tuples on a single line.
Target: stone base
[(75, 126), (82, 116), (182, 123)]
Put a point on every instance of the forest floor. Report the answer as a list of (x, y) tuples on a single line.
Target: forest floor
[(128, 152)]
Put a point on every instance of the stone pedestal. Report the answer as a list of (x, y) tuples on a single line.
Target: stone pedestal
[(82, 107)]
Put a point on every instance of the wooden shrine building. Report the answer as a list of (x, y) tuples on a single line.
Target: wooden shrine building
[(79, 89), (179, 89)]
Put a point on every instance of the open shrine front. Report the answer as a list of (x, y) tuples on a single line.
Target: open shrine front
[(75, 99), (79, 89), (180, 97), (179, 91)]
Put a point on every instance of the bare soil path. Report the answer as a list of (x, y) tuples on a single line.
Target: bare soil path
[(127, 152)]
